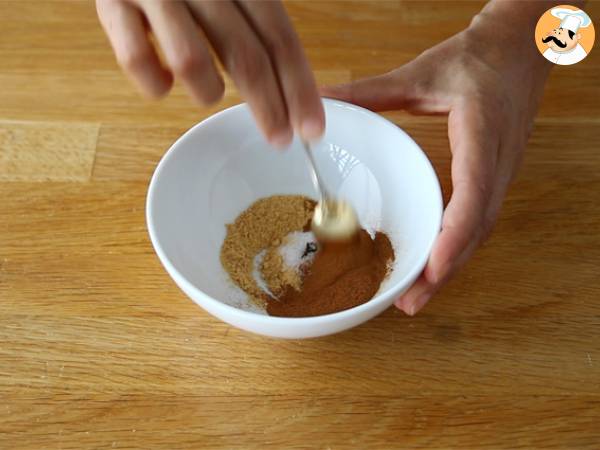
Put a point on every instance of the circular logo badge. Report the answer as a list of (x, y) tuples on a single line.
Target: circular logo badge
[(564, 35)]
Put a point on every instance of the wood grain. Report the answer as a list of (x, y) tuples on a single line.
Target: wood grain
[(293, 422), (99, 349), (42, 151)]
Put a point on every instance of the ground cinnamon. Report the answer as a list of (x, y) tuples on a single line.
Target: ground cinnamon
[(342, 275)]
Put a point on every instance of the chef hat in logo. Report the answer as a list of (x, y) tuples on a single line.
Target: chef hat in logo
[(571, 19)]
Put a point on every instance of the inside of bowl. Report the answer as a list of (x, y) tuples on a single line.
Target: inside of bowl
[(219, 168)]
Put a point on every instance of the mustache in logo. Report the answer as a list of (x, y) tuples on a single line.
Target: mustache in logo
[(556, 41)]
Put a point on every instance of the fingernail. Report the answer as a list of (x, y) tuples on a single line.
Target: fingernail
[(281, 139), (435, 275), (311, 129), (418, 304)]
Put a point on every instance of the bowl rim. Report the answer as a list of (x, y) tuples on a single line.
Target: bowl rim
[(216, 305)]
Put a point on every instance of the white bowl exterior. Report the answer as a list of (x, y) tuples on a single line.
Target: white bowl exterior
[(222, 165)]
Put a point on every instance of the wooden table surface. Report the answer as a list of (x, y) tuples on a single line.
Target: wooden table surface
[(99, 349)]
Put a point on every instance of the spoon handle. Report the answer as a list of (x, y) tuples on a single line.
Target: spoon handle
[(316, 177)]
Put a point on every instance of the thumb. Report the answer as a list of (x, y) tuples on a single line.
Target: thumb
[(402, 88)]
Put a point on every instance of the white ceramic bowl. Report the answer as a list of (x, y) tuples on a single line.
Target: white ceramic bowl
[(223, 164)]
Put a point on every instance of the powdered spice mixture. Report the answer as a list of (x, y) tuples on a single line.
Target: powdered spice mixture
[(329, 277)]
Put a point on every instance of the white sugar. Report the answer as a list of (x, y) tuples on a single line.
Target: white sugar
[(294, 247), (257, 275), (236, 297)]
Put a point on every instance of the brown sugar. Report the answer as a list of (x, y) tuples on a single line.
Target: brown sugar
[(266, 221)]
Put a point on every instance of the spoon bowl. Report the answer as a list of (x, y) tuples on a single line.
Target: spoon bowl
[(334, 220)]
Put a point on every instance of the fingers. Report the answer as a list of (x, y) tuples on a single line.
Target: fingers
[(416, 297), (124, 25), (277, 35), (380, 93), (184, 49), (404, 88), (248, 63), (466, 220), (255, 42)]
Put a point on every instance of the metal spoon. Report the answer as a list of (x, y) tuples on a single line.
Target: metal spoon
[(333, 219)]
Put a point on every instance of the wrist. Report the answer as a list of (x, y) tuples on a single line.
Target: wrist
[(520, 13), (503, 35)]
